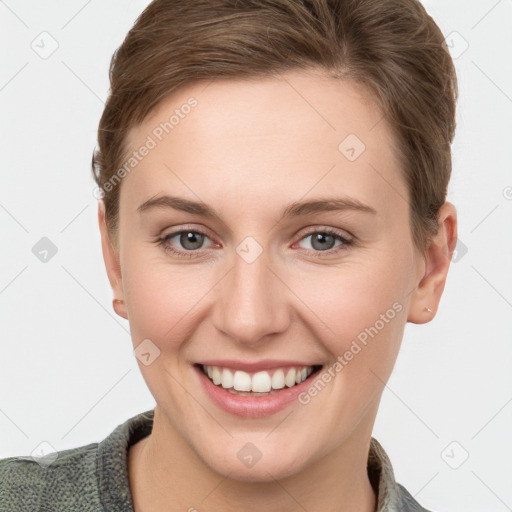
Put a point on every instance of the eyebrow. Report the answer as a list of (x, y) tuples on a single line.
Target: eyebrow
[(294, 209)]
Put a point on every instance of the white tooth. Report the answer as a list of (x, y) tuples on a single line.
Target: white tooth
[(303, 374), (290, 378), (261, 382), (216, 375), (297, 376), (226, 378), (278, 379), (209, 369), (310, 371), (242, 381)]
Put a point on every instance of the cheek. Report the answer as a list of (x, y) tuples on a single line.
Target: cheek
[(162, 299), (359, 318), (357, 301)]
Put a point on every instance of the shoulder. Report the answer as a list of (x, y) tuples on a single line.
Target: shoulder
[(391, 496), (66, 480), (407, 502), (89, 478)]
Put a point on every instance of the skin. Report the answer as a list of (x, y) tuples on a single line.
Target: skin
[(248, 149)]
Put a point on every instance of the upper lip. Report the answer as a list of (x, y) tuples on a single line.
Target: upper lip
[(256, 366)]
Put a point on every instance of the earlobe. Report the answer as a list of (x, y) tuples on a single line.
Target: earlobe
[(427, 295), (112, 263)]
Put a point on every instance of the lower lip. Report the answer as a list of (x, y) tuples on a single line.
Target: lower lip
[(248, 406)]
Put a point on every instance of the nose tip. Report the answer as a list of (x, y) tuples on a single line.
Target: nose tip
[(252, 303)]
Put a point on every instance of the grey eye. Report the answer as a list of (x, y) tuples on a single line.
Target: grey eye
[(323, 241), (189, 240)]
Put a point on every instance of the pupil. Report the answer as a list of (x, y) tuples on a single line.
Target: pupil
[(321, 237), (190, 237)]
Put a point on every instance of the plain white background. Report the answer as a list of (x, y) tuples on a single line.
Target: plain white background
[(68, 376)]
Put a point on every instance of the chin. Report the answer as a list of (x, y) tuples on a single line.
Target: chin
[(247, 463), (261, 472)]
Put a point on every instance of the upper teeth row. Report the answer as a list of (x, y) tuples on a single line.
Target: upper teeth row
[(260, 382)]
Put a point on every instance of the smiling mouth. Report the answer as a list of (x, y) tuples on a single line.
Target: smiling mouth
[(262, 383)]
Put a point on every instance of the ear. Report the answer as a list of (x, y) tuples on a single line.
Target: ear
[(437, 262), (112, 264)]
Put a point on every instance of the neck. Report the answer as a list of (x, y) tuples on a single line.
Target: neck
[(165, 474)]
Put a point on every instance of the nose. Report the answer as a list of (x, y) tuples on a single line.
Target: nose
[(253, 302)]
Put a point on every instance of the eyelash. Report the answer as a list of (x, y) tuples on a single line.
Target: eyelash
[(193, 253)]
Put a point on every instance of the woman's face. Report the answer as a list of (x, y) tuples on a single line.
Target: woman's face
[(304, 260)]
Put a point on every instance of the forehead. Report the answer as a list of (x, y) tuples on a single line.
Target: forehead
[(270, 139)]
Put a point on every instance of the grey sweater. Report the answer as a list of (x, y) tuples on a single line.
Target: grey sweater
[(94, 477)]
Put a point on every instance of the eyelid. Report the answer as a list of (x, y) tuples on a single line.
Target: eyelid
[(175, 230), (343, 233)]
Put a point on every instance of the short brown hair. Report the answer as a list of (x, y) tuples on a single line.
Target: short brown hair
[(393, 47)]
